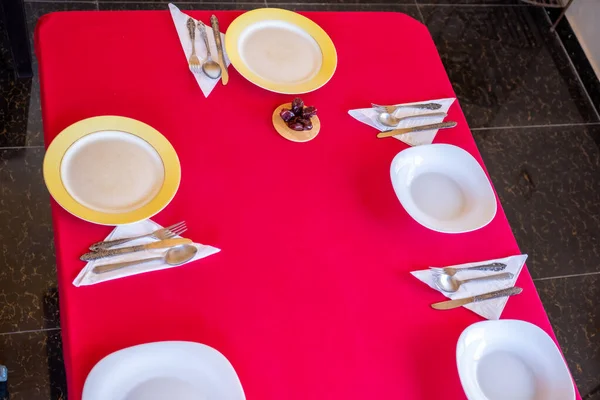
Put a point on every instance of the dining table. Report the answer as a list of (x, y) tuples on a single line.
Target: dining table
[(311, 295)]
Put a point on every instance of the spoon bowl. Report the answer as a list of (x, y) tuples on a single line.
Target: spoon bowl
[(388, 119), (211, 68), (180, 254)]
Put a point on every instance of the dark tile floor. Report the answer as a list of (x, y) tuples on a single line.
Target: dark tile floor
[(535, 125)]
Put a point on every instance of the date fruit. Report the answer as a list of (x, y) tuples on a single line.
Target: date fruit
[(298, 118)]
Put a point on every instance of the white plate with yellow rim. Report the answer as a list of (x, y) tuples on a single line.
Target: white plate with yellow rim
[(280, 51), (111, 170)]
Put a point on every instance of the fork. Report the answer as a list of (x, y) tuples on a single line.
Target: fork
[(420, 106), (496, 266), (193, 62), (160, 234)]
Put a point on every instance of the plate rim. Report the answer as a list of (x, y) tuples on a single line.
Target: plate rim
[(71, 134), (328, 51)]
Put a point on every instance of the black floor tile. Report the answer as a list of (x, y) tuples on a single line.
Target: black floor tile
[(577, 55), (572, 306), (20, 110), (471, 2), (116, 6), (548, 180), (35, 365), (28, 275), (15, 96), (506, 67), (408, 9)]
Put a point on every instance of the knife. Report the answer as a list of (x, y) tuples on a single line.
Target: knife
[(162, 244), (214, 22), (450, 304), (394, 132)]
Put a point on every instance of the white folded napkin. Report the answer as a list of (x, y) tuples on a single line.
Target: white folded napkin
[(87, 277), (369, 117), (490, 309), (180, 20)]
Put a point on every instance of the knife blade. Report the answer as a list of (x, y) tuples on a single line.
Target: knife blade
[(161, 244), (394, 132), (214, 22), (450, 304)]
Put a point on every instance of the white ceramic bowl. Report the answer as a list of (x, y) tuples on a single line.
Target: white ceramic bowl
[(443, 188), (164, 371), (510, 359)]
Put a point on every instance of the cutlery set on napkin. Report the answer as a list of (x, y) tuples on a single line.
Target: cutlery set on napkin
[(412, 123), (137, 248), (200, 49), (482, 287)]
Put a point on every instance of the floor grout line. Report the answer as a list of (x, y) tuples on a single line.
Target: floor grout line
[(566, 276), (31, 331), (63, 1), (420, 12), (572, 65), (21, 147), (474, 5), (578, 124)]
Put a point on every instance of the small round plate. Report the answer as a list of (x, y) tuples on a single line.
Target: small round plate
[(111, 170), (290, 134), (511, 359), (281, 51), (161, 371)]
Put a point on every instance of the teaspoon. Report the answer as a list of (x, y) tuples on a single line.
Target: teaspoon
[(211, 68), (174, 256), (388, 119), (450, 284)]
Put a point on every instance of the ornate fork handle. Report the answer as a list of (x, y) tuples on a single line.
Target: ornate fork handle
[(485, 267), (191, 25)]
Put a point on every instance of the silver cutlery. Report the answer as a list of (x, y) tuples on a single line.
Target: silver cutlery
[(420, 106), (388, 119), (159, 234), (401, 131), (447, 305), (174, 256), (215, 26), (193, 61), (450, 284), (211, 68), (495, 267), (163, 244)]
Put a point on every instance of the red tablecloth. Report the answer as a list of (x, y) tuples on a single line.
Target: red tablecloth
[(310, 297)]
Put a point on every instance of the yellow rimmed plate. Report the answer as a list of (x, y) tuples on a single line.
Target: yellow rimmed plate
[(280, 51), (111, 170)]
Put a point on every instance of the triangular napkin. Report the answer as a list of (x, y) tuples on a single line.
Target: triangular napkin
[(87, 277), (490, 309)]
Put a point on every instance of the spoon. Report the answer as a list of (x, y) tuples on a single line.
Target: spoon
[(174, 256), (388, 119), (211, 68), (450, 284)]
